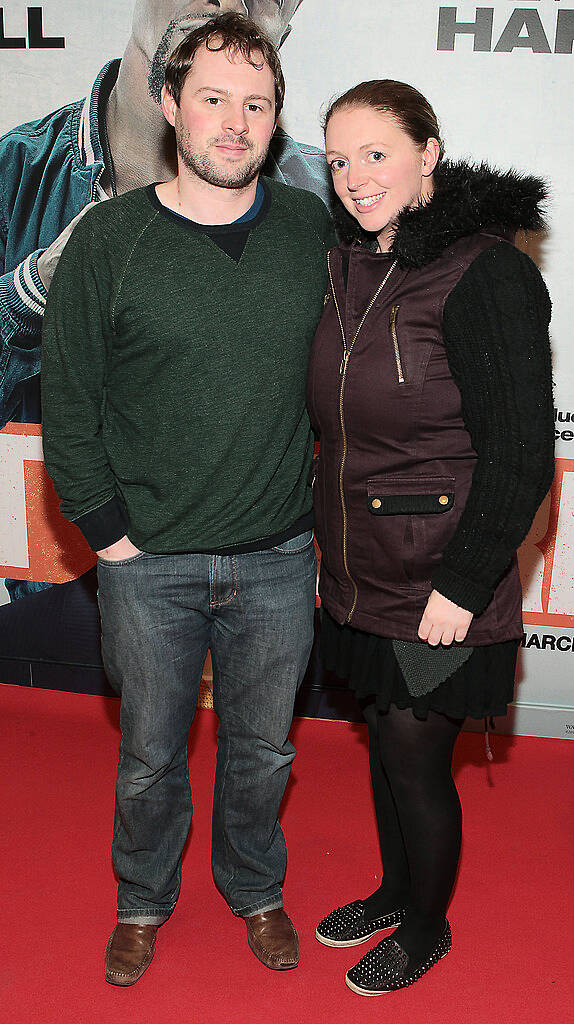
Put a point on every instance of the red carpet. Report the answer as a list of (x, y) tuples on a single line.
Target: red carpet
[(510, 916)]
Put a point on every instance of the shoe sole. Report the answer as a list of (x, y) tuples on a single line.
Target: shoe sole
[(386, 991), (275, 967), (344, 943)]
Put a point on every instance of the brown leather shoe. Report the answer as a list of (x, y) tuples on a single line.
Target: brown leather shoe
[(129, 952), (273, 939)]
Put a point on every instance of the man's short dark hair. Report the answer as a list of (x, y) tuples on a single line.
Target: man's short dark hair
[(231, 32)]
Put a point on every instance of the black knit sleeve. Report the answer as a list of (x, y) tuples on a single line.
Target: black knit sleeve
[(496, 336)]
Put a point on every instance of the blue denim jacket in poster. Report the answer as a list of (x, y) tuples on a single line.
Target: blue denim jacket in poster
[(49, 170)]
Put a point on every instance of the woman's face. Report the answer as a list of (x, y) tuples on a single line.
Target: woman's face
[(377, 169)]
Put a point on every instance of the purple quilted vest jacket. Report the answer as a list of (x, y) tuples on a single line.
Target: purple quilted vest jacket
[(395, 460)]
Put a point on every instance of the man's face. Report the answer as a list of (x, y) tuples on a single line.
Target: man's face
[(225, 119), (159, 25)]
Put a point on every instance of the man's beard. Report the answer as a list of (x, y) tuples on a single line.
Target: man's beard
[(156, 74), (200, 164)]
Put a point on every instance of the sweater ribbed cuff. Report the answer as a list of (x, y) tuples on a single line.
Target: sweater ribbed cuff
[(461, 591), (24, 297), (104, 525)]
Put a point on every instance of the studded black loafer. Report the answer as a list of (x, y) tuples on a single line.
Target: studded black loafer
[(385, 968), (347, 926)]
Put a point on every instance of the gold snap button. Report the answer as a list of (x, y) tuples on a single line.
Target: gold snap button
[(376, 503), (443, 500)]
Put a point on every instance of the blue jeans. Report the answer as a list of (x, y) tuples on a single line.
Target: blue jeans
[(160, 614)]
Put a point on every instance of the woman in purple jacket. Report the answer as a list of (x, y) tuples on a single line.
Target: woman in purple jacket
[(430, 390)]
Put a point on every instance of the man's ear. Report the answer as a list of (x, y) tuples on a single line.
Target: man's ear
[(168, 105)]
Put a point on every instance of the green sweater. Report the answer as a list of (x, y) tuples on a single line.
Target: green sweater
[(173, 378)]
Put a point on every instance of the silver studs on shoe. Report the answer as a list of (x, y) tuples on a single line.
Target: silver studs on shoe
[(347, 926), (385, 968)]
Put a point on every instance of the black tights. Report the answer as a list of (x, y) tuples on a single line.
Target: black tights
[(419, 819)]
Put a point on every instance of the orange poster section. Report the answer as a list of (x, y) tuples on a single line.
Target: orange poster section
[(56, 550)]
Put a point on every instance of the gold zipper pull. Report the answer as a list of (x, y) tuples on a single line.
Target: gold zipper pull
[(393, 326), (343, 363)]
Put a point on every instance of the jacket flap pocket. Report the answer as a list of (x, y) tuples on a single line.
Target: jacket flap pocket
[(421, 495)]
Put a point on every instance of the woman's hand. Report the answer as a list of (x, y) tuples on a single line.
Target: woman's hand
[(442, 621), (122, 548)]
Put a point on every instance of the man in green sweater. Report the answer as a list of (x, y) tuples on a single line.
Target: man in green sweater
[(176, 342)]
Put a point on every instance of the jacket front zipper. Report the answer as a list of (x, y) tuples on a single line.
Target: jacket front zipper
[(343, 373), (393, 324)]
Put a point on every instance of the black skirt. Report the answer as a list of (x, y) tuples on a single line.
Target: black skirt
[(481, 687)]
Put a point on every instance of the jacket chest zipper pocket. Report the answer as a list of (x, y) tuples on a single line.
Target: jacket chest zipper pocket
[(393, 326)]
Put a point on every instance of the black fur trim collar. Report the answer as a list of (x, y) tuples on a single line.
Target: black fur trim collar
[(466, 198)]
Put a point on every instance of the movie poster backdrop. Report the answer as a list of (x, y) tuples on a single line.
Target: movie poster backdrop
[(500, 78)]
